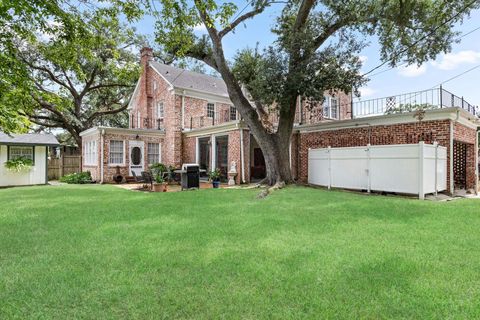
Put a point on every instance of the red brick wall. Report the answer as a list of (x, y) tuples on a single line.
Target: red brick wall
[(189, 149), (428, 131), (110, 170)]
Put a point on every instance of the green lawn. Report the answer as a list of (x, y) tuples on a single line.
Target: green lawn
[(100, 252)]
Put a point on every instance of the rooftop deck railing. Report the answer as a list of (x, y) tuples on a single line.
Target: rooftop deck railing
[(212, 119), (422, 100), (146, 123)]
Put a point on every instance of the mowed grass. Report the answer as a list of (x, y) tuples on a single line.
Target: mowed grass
[(99, 252)]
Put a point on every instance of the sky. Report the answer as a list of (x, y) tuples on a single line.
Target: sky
[(464, 56)]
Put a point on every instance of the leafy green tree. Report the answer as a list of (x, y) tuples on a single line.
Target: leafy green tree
[(78, 81), (23, 19), (316, 50)]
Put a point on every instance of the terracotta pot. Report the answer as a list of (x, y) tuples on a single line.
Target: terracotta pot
[(165, 187), (157, 187)]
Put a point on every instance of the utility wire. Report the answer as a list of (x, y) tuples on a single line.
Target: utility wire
[(405, 64), (422, 38)]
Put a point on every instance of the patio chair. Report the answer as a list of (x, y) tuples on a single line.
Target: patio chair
[(137, 178), (147, 179)]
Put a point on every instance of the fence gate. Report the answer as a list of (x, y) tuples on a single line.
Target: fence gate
[(460, 165), (58, 167)]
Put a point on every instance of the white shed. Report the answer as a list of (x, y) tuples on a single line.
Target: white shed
[(27, 146)]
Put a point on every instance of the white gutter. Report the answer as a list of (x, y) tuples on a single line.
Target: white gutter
[(452, 184), (102, 133), (242, 155)]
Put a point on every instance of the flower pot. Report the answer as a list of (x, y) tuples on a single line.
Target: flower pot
[(164, 187), (157, 187), (216, 184), (118, 178)]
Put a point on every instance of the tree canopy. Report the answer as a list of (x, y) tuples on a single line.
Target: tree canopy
[(77, 81), (316, 50)]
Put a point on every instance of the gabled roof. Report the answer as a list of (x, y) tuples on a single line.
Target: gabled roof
[(29, 139), (184, 79)]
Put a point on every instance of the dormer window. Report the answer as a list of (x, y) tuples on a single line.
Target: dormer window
[(160, 110), (210, 110)]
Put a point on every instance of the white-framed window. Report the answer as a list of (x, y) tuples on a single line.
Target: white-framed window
[(90, 152), (233, 113), (330, 107), (153, 153), (154, 85), (116, 152), (210, 110), (27, 152), (160, 110)]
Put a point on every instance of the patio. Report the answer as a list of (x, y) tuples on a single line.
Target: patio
[(171, 187)]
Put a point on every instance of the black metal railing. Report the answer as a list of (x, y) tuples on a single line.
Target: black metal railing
[(146, 123), (421, 100), (212, 119)]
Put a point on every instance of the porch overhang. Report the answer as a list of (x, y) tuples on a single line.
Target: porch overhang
[(112, 130)]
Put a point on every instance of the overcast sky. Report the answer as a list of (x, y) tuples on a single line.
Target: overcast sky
[(464, 56)]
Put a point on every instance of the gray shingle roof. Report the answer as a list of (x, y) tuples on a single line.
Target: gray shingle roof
[(29, 138), (185, 79)]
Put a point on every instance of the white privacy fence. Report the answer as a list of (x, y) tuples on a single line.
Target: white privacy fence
[(407, 168)]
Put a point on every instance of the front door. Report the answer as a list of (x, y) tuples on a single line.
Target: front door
[(136, 157)]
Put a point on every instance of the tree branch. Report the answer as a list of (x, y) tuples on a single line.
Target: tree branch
[(241, 19), (105, 112)]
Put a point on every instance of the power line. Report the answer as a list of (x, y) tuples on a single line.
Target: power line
[(422, 38), (406, 64), (458, 75)]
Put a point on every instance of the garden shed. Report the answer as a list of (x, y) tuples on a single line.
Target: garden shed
[(24, 158)]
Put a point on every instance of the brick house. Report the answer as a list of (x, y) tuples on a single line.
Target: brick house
[(178, 116)]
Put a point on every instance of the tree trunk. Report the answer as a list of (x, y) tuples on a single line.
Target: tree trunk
[(277, 162)]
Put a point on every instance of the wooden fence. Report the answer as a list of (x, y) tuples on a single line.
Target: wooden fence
[(58, 167)]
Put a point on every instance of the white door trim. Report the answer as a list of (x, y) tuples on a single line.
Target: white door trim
[(137, 168)]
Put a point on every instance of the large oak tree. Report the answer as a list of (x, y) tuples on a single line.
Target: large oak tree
[(316, 49), (77, 81)]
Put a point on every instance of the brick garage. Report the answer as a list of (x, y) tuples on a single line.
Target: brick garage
[(438, 125)]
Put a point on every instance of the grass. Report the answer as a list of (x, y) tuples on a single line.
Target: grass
[(99, 252)]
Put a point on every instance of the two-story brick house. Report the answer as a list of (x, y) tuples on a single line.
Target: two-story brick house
[(178, 116)]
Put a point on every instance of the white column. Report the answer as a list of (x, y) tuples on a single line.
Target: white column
[(329, 167), (421, 152), (369, 170), (214, 152)]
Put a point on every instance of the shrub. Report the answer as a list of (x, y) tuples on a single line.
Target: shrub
[(19, 164), (77, 178)]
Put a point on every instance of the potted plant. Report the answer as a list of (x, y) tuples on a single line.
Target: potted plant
[(19, 164), (214, 176), (159, 184), (158, 170)]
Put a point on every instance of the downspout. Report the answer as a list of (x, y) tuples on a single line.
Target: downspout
[(452, 185), (242, 156), (183, 109), (102, 133)]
